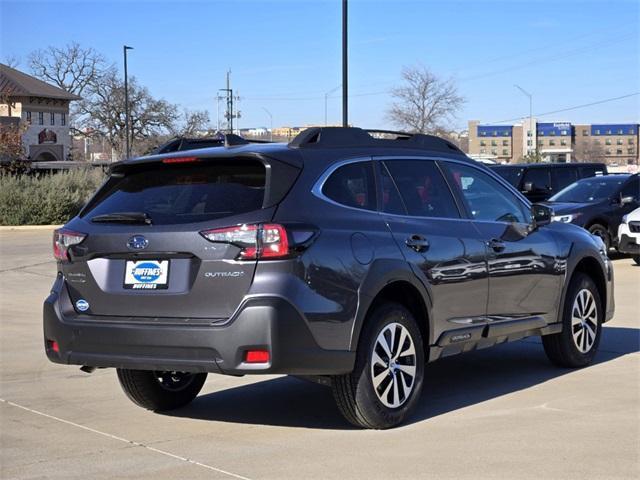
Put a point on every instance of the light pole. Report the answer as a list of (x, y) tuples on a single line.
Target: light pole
[(326, 97), (271, 124), (126, 101), (533, 146), (345, 74)]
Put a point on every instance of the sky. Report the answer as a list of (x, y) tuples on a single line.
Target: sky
[(284, 56)]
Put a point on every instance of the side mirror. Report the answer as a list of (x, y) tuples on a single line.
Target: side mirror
[(528, 187), (627, 200), (541, 215)]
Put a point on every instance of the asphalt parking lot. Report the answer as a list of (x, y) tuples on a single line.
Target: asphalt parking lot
[(498, 413)]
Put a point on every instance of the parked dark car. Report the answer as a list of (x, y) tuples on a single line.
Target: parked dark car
[(180, 144), (598, 204), (339, 257), (539, 181)]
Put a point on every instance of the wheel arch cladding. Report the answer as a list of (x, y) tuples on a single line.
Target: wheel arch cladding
[(407, 295), (591, 267)]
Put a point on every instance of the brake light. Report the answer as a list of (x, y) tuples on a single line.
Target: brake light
[(181, 160), (62, 240), (256, 241)]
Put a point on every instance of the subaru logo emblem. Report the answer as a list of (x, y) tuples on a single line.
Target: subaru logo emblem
[(138, 242)]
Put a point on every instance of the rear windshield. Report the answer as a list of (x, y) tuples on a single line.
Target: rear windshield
[(183, 193), (510, 174)]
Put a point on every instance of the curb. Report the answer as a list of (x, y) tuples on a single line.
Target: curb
[(10, 228)]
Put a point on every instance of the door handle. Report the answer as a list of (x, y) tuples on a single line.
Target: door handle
[(496, 245), (417, 243)]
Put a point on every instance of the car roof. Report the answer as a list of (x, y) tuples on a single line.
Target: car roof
[(612, 177), (317, 144)]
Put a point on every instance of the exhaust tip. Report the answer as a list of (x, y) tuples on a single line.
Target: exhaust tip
[(87, 369)]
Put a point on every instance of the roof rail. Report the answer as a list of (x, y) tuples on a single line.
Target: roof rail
[(358, 137)]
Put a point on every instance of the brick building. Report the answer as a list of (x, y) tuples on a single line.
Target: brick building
[(556, 142), (43, 108)]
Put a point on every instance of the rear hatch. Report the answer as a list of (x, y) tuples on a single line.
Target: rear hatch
[(144, 254)]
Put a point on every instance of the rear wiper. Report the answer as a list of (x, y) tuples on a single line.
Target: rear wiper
[(123, 217)]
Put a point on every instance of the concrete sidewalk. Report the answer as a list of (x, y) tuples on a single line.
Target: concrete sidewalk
[(499, 413)]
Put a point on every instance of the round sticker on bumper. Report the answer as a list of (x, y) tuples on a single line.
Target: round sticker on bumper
[(82, 305)]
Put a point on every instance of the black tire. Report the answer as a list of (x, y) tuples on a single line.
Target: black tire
[(637, 259), (160, 391), (562, 348), (355, 393), (602, 232)]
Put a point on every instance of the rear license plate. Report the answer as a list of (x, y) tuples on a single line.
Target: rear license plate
[(146, 274)]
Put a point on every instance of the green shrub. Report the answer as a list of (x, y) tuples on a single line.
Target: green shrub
[(47, 199)]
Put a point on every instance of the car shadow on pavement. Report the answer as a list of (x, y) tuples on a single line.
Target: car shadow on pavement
[(450, 384)]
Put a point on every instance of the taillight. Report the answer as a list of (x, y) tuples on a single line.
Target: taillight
[(267, 240), (62, 240)]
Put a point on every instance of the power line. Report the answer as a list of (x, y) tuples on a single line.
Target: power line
[(575, 107), (557, 57)]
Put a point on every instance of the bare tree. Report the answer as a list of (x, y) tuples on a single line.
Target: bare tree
[(192, 123), (72, 67), (424, 103), (589, 151), (103, 114), (12, 61)]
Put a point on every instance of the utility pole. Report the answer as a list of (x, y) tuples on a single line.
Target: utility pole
[(532, 138), (345, 75), (127, 128), (230, 115)]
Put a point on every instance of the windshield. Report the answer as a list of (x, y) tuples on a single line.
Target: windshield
[(590, 190), (510, 174)]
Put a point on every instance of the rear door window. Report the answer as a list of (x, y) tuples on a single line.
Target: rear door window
[(183, 193), (423, 189), (561, 177), (539, 177), (352, 185)]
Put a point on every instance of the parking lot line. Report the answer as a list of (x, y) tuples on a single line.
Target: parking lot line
[(124, 440)]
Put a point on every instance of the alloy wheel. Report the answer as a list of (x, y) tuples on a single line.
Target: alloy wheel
[(584, 320), (393, 365)]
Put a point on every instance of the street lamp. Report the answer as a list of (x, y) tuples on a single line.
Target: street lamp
[(532, 139), (127, 129), (345, 74), (271, 127), (326, 97)]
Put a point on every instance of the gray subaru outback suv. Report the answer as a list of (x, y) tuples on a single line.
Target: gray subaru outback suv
[(347, 256)]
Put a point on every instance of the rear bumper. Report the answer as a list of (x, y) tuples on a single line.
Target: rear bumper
[(628, 245), (265, 323)]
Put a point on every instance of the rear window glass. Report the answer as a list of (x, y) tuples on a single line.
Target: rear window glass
[(538, 177), (352, 185), (510, 174), (172, 194)]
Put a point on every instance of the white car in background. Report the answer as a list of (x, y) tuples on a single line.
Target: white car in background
[(629, 235)]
